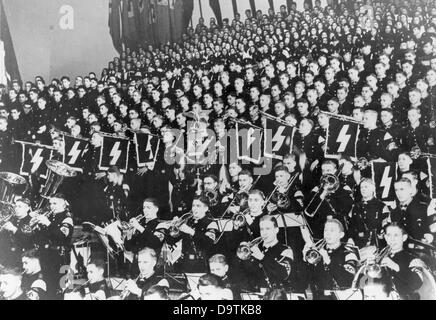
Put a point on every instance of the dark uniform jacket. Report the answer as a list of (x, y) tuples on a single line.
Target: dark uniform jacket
[(150, 238), (367, 220), (198, 248), (416, 137), (93, 288), (273, 270), (406, 281), (337, 204), (413, 218), (339, 274), (34, 286), (373, 144)]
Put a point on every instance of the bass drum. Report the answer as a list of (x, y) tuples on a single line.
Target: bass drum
[(428, 289)]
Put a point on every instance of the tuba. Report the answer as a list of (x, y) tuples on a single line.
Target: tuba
[(313, 256), (244, 249), (11, 185), (58, 171)]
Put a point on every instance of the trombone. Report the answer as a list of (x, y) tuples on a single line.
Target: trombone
[(283, 200), (330, 183), (313, 255), (240, 191), (244, 249)]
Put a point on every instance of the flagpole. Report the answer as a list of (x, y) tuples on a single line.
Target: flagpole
[(340, 117), (201, 8), (170, 22), (240, 121), (35, 144), (267, 115)]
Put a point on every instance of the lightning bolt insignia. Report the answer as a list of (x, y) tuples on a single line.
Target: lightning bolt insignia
[(250, 138), (115, 153), (74, 153), (278, 138), (149, 149), (36, 159), (386, 182), (343, 138)]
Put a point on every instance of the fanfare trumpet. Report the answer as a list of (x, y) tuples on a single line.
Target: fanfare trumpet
[(373, 265), (126, 292), (174, 229), (34, 221), (313, 255), (244, 249), (127, 227), (416, 152), (6, 219)]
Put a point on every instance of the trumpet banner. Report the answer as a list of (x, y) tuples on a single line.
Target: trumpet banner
[(74, 149), (33, 158), (278, 139), (341, 138), (384, 175), (147, 147), (114, 152), (249, 143)]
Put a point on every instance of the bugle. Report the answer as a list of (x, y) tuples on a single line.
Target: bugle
[(127, 226), (174, 229), (126, 292), (373, 265), (244, 249)]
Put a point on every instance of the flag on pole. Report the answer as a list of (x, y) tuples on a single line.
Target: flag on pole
[(384, 175), (342, 137), (33, 158), (74, 149), (115, 23), (278, 139), (8, 61), (249, 142), (147, 147), (114, 152)]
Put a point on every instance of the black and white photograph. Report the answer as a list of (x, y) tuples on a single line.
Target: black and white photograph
[(224, 150)]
